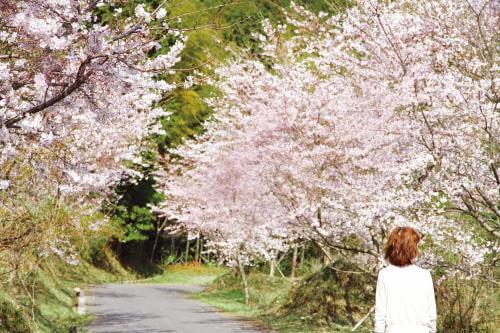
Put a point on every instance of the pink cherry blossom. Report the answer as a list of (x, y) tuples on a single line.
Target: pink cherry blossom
[(380, 116), (77, 98)]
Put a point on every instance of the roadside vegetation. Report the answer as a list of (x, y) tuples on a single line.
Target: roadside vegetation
[(190, 273), (315, 301), (322, 298), (44, 301), (306, 304)]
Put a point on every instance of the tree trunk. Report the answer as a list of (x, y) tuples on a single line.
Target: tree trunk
[(160, 226), (272, 267), (347, 298), (154, 245), (294, 260), (302, 255), (327, 255), (172, 243), (197, 250), (244, 278), (187, 249)]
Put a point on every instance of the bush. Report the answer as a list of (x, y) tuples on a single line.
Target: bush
[(336, 294), (12, 319), (466, 306)]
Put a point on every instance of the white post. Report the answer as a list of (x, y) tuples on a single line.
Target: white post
[(80, 301)]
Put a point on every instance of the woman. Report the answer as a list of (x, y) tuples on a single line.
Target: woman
[(404, 301)]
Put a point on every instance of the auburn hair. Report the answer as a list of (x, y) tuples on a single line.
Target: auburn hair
[(401, 248)]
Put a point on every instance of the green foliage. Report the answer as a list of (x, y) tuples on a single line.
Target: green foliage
[(266, 293), (135, 221), (467, 306), (12, 319), (42, 299), (336, 294), (131, 215), (36, 285), (268, 296), (188, 112)]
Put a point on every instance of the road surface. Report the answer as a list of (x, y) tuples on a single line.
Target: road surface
[(155, 308)]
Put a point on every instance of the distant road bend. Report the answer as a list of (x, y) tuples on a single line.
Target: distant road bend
[(155, 308)]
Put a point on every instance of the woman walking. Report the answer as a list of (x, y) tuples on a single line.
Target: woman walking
[(405, 294)]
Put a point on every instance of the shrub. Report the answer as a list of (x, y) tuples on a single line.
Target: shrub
[(336, 294), (12, 319), (466, 306)]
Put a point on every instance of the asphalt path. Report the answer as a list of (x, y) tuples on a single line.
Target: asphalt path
[(155, 308)]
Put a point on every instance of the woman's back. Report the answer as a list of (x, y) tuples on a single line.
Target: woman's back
[(405, 301), (405, 294)]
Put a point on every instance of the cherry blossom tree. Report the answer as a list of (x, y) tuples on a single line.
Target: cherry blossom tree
[(77, 98), (310, 153), (222, 197), (435, 63), (77, 87), (380, 116)]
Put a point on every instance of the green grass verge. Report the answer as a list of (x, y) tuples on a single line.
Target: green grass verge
[(191, 273), (44, 302), (267, 295), (56, 295)]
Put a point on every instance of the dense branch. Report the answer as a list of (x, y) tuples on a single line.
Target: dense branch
[(80, 79)]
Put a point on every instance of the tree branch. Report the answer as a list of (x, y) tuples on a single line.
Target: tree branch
[(81, 77)]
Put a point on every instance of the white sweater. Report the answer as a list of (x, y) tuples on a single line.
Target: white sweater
[(404, 301)]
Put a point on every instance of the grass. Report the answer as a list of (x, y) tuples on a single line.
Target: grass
[(231, 301), (51, 285), (56, 295), (267, 295), (192, 273), (54, 283)]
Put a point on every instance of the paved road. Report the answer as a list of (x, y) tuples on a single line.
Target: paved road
[(150, 308)]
